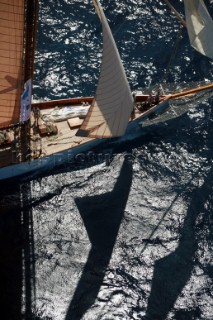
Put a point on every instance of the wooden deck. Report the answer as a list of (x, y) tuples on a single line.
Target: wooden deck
[(41, 145), (65, 139)]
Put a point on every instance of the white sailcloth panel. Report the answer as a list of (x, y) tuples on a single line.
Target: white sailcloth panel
[(113, 102), (199, 26)]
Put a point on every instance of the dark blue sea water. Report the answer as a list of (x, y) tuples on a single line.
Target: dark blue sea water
[(129, 233)]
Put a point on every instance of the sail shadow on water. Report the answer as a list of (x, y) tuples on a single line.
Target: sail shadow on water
[(173, 272), (17, 269), (102, 216)]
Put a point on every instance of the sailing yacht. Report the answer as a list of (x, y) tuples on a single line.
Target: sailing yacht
[(35, 137)]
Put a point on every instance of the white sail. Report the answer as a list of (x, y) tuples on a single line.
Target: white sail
[(113, 103), (199, 26)]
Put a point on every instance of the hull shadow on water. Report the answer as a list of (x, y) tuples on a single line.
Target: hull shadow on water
[(102, 216)]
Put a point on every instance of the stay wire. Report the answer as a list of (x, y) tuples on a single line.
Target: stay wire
[(173, 55)]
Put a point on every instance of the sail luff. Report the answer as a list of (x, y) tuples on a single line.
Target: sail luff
[(113, 103), (199, 26), (30, 31), (31, 11)]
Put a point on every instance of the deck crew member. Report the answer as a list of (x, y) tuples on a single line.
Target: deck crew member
[(37, 113)]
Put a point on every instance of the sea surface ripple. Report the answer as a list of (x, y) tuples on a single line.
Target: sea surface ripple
[(126, 234)]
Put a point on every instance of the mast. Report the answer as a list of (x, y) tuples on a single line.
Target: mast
[(31, 12)]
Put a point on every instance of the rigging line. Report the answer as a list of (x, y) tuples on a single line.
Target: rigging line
[(201, 172), (172, 57), (131, 11), (176, 13), (179, 37)]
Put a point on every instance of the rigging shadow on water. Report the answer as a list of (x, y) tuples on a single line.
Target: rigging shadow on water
[(172, 272), (17, 272), (102, 216)]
